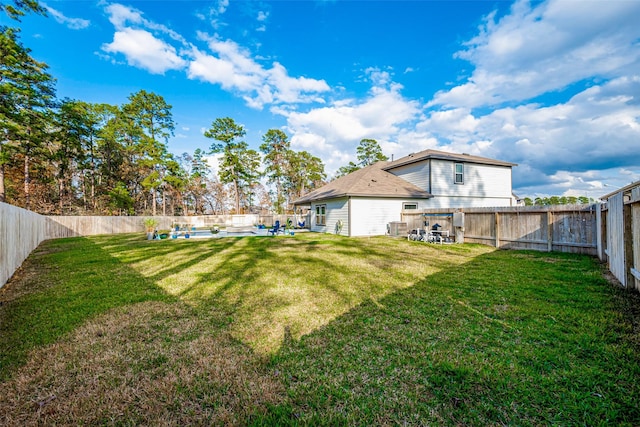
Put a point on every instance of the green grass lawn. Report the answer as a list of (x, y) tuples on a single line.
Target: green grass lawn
[(314, 330)]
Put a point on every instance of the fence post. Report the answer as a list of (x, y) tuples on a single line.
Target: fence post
[(628, 246), (635, 236), (497, 228), (549, 231), (599, 232)]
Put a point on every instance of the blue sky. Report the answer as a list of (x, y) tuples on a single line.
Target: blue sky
[(553, 86)]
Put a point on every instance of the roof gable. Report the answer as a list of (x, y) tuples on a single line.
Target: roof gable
[(371, 181)]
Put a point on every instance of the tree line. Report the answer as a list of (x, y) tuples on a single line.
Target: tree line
[(67, 156), (558, 200)]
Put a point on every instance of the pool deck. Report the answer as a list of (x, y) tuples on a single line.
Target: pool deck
[(235, 232)]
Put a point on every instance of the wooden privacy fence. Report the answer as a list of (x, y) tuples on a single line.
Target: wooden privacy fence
[(620, 239), (611, 230), (545, 228), (21, 231), (71, 226)]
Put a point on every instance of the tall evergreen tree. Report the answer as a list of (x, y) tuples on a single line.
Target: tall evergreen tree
[(346, 170), (250, 181), (369, 152), (18, 8), (21, 79), (26, 93), (305, 172), (67, 149), (276, 147), (152, 116), (196, 172), (237, 165)]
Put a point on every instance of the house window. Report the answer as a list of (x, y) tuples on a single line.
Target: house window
[(459, 174), (409, 206), (321, 214)]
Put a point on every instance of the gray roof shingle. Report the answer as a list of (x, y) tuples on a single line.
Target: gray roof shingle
[(371, 181)]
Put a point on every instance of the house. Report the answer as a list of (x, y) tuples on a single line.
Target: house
[(364, 202)]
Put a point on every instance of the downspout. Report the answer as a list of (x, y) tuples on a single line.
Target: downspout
[(430, 172)]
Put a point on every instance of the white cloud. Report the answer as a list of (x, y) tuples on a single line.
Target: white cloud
[(583, 137), (222, 6), (534, 50), (119, 15), (293, 89), (213, 161), (71, 23), (378, 77), (231, 75), (232, 67), (566, 140), (145, 44), (597, 128), (123, 17), (142, 41), (591, 183), (214, 12), (145, 51), (333, 132)]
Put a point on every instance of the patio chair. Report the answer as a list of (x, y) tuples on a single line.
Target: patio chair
[(275, 229), (417, 235)]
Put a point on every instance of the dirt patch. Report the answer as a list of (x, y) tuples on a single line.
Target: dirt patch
[(151, 363), (609, 277)]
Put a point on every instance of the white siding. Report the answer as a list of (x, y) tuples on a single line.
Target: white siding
[(415, 173), (484, 185), (371, 216), (337, 209)]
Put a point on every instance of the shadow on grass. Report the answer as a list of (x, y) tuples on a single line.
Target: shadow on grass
[(269, 285), (372, 331), (505, 339), (62, 284)]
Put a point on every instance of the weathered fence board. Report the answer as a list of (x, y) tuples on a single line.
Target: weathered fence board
[(620, 228), (615, 237), (635, 235), (558, 228), (21, 231)]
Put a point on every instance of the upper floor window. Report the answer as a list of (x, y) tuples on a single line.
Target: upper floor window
[(459, 174)]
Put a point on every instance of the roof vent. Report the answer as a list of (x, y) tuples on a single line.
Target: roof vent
[(465, 154)]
